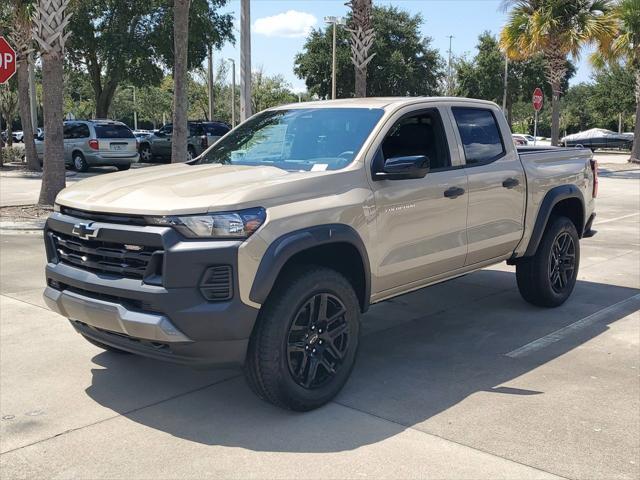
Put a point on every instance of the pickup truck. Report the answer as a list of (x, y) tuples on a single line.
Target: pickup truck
[(265, 250)]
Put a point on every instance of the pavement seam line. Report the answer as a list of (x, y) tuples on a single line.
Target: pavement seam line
[(408, 427), (123, 414), (25, 302), (563, 332)]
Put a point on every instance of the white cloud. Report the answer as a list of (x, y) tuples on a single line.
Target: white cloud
[(288, 24)]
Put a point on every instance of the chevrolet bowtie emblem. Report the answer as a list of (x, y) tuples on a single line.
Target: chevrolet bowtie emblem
[(85, 230)]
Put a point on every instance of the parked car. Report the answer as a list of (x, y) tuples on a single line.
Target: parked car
[(266, 250), (90, 143), (598, 138), (16, 135), (519, 140), (142, 134), (157, 147)]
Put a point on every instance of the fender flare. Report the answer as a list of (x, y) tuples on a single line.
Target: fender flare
[(551, 199), (292, 243)]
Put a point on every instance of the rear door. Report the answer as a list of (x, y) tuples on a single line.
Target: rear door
[(420, 222), (161, 144), (497, 185)]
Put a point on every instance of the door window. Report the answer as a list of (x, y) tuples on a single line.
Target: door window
[(419, 134), (480, 135), (67, 130)]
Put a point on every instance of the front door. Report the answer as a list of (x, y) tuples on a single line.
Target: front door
[(421, 223)]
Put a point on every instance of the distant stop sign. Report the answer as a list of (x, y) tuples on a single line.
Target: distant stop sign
[(538, 99), (7, 61)]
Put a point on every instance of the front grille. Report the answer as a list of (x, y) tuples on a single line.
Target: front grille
[(216, 284), (106, 257), (103, 217)]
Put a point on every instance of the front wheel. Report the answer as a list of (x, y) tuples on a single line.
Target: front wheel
[(304, 345), (548, 278)]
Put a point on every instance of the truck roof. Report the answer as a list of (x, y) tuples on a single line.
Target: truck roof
[(378, 102)]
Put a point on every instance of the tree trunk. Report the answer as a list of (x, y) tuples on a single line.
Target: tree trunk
[(555, 115), (53, 177), (635, 152), (180, 107), (25, 115), (362, 35), (104, 99)]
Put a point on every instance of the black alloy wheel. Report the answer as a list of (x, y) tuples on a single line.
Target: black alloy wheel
[(562, 262), (318, 340)]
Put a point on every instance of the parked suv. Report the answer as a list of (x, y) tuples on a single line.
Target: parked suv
[(266, 250), (157, 147), (90, 143)]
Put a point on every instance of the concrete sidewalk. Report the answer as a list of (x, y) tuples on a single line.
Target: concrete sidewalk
[(434, 393)]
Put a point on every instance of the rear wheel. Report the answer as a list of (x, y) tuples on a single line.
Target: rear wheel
[(548, 278), (305, 342), (79, 162), (123, 167)]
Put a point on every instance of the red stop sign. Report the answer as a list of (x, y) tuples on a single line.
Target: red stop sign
[(538, 99), (7, 61)]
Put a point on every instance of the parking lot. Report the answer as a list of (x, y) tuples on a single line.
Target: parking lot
[(461, 380)]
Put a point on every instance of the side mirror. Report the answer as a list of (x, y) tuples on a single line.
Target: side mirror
[(403, 168), (160, 134)]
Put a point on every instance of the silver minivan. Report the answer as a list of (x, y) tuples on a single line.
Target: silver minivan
[(89, 143)]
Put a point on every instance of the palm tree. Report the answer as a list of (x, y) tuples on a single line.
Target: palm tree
[(558, 29), (49, 21), (23, 41), (624, 46), (362, 35), (180, 102)]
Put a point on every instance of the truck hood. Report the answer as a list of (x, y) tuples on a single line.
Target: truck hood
[(182, 189)]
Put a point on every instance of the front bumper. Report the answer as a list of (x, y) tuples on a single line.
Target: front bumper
[(163, 314)]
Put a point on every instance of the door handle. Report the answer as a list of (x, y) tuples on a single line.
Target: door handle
[(511, 183), (454, 192)]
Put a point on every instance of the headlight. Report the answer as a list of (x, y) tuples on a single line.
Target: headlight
[(240, 224)]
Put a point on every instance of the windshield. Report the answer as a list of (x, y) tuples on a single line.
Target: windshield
[(315, 139)]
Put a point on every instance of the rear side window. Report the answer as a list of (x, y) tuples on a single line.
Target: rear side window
[(216, 130), (113, 131), (480, 135)]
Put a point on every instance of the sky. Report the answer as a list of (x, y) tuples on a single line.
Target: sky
[(279, 29)]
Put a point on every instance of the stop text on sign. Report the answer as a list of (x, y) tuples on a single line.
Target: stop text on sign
[(7, 61)]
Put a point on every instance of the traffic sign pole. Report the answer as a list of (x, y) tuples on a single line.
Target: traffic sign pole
[(538, 100)]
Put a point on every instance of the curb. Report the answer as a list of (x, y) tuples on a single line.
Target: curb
[(22, 227)]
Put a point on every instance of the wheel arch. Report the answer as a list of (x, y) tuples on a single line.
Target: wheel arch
[(563, 200), (335, 246)]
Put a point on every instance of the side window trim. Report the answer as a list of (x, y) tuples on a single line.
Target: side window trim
[(459, 134)]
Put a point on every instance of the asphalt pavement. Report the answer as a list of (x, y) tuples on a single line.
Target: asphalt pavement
[(460, 380)]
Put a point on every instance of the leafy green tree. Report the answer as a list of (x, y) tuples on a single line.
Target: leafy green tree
[(557, 29), (483, 76), (405, 63), (270, 91), (125, 41)]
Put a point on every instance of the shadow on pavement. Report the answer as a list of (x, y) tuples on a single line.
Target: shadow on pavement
[(405, 374)]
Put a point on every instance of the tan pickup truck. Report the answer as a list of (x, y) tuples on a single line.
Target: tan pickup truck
[(266, 250)]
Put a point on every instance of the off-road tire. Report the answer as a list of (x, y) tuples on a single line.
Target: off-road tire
[(79, 162), (534, 274), (267, 367), (104, 346)]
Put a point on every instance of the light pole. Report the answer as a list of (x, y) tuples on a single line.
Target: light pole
[(233, 92), (135, 110), (210, 80), (506, 76), (335, 21), (245, 60), (450, 80)]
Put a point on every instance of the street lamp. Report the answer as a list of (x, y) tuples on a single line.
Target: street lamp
[(335, 21), (233, 92), (135, 111)]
